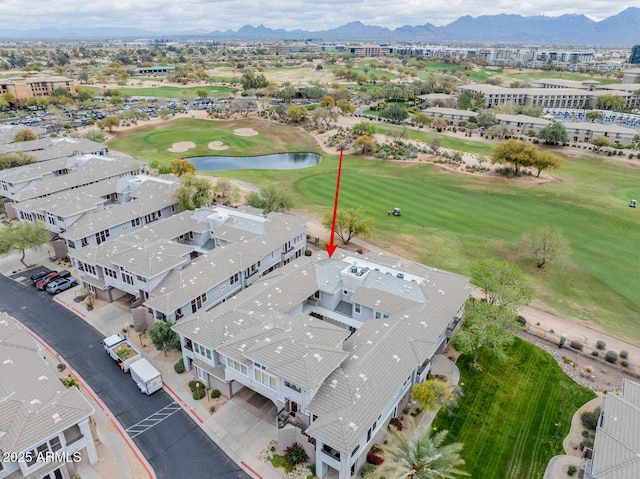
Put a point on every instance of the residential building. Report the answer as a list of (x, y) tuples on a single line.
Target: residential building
[(634, 59), (335, 343), (369, 50), (556, 94), (632, 77), (452, 115), (35, 87), (616, 448), (46, 178), (587, 131), (8, 133), (190, 261), (44, 149), (110, 208), (522, 124), (44, 427), (154, 71)]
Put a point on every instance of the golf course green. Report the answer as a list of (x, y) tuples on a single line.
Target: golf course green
[(451, 219)]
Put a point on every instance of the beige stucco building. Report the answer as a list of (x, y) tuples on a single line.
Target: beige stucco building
[(35, 87)]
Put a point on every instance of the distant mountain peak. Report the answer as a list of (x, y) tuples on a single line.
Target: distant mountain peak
[(620, 29)]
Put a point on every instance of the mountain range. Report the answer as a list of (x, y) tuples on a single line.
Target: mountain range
[(576, 30)]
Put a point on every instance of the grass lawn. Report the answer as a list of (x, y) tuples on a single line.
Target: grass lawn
[(169, 91), (450, 220), (538, 75), (153, 143), (513, 417)]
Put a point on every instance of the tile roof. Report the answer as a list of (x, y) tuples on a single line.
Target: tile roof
[(373, 363), (616, 449), (91, 169), (35, 405)]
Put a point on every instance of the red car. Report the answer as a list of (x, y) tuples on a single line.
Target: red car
[(42, 284)]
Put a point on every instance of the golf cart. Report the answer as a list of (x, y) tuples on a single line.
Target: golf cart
[(397, 212), (632, 203)]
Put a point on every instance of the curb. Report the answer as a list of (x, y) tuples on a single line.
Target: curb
[(134, 449)]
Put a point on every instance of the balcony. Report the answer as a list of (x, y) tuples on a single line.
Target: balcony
[(331, 452)]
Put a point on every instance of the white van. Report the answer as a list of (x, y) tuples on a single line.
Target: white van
[(146, 376)]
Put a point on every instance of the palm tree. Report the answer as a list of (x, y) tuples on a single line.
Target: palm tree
[(415, 454)]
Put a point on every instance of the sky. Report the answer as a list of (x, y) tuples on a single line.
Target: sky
[(211, 15)]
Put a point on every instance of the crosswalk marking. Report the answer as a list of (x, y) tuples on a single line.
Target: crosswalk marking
[(155, 418)]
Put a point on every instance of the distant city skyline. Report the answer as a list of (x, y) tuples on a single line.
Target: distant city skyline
[(211, 15)]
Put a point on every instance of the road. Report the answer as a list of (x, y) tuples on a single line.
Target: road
[(172, 442)]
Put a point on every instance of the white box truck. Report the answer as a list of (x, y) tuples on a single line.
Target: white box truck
[(146, 376), (121, 350)]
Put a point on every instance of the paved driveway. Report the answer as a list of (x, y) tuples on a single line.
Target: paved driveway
[(174, 446)]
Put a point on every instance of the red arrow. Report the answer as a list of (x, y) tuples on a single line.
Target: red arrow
[(331, 247)]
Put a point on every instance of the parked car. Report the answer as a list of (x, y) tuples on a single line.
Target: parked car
[(35, 277), (62, 284), (42, 284)]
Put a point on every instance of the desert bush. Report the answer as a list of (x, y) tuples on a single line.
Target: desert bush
[(611, 357), (215, 394), (575, 344), (600, 344), (295, 454), (590, 419), (595, 353), (571, 470), (367, 470), (624, 363), (624, 354)]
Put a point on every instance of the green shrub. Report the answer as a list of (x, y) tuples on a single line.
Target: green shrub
[(280, 461), (308, 252), (215, 394), (575, 344), (624, 354), (295, 454), (590, 419), (199, 393), (600, 344), (193, 384), (611, 357), (179, 366), (595, 353), (367, 470), (624, 363), (571, 470)]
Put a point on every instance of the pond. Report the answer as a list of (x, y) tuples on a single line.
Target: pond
[(279, 161)]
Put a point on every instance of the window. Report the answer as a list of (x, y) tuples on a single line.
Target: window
[(292, 386), (127, 278), (263, 377), (111, 273), (102, 236), (378, 315), (233, 364), (135, 222), (358, 308), (234, 279), (196, 304)]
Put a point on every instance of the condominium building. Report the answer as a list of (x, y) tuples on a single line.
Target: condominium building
[(35, 87), (45, 149), (46, 178), (190, 261), (634, 59), (616, 449), (44, 427), (335, 343)]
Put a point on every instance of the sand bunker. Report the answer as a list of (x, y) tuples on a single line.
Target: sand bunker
[(218, 145), (245, 132), (182, 146)]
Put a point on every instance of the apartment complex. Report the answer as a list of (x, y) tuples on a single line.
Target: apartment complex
[(38, 180), (556, 94), (44, 427), (335, 343), (191, 261), (45, 149), (35, 87), (107, 208)]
